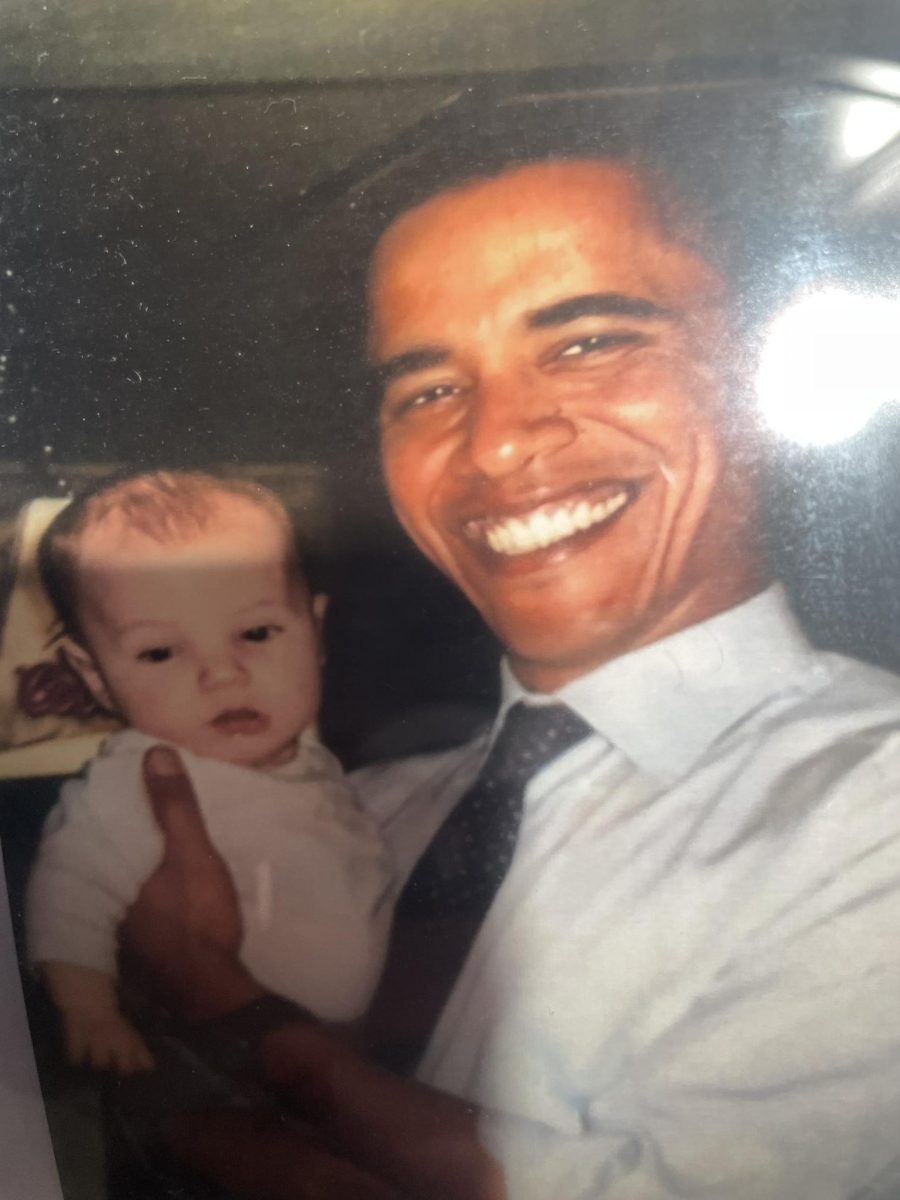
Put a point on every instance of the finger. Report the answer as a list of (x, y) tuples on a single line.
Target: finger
[(99, 1056), (145, 1062), (142, 1058), (120, 1057), (76, 1047), (121, 1062), (174, 803), (137, 1055), (129, 1061), (270, 1160)]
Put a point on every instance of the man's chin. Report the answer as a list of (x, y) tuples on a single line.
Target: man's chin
[(543, 661)]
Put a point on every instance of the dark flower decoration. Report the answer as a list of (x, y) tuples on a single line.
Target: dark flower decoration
[(54, 689)]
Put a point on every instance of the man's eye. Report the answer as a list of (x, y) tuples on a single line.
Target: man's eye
[(156, 654), (599, 343), (260, 633), (422, 399)]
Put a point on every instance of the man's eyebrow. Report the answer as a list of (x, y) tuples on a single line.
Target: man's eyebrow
[(596, 304), (419, 359)]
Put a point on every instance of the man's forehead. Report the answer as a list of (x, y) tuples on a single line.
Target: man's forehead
[(531, 236), (574, 190)]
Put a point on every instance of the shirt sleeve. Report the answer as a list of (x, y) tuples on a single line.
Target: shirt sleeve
[(780, 1081), (77, 894)]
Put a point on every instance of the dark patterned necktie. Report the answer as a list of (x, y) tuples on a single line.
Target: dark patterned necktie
[(451, 888)]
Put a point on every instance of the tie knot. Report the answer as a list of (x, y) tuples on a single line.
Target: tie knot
[(532, 736)]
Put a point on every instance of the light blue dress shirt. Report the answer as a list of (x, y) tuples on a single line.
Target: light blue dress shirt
[(689, 982)]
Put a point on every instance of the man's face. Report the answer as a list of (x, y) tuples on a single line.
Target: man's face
[(551, 418)]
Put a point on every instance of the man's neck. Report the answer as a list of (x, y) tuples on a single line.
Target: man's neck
[(693, 609)]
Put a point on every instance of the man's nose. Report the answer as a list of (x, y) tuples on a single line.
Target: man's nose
[(511, 422), (220, 668)]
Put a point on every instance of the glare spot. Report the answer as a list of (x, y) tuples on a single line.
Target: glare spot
[(829, 362), (879, 77), (869, 125)]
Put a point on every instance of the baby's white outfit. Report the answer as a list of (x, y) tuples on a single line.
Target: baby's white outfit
[(310, 870)]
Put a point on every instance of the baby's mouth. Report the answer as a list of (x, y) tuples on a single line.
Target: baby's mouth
[(241, 720)]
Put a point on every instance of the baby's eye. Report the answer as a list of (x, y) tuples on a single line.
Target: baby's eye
[(156, 654), (260, 633)]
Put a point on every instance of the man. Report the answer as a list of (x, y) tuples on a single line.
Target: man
[(686, 984)]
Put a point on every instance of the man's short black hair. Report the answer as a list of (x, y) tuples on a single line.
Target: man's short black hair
[(724, 159), (490, 152)]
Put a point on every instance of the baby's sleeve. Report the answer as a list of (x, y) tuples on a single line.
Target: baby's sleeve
[(80, 887)]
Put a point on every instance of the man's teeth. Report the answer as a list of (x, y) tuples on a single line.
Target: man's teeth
[(544, 526)]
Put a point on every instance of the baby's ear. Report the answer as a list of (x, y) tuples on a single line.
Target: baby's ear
[(319, 606), (80, 660)]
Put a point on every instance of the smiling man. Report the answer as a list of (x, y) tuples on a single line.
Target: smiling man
[(555, 374), (646, 942)]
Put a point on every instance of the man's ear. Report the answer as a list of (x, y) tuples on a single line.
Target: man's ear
[(82, 662)]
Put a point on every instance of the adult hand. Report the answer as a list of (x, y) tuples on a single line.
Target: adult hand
[(378, 1137), (270, 1158), (184, 931)]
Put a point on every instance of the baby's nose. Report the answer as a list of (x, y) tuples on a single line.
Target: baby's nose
[(220, 670)]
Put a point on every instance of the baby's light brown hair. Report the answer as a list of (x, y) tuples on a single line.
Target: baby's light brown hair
[(162, 505)]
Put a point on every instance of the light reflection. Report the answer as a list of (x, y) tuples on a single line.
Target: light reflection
[(879, 77), (870, 124), (829, 362)]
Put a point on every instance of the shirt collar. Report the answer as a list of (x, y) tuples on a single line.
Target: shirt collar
[(664, 704)]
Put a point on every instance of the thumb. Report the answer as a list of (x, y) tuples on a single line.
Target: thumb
[(174, 804)]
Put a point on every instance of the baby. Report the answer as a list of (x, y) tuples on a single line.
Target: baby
[(185, 610)]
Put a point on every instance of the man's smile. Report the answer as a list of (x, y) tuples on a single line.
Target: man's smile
[(526, 529)]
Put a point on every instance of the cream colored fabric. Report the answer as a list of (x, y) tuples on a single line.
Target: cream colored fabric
[(55, 745)]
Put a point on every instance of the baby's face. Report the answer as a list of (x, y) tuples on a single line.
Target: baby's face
[(202, 642)]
